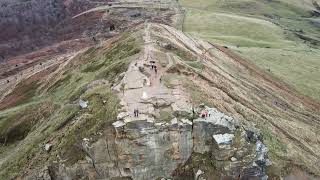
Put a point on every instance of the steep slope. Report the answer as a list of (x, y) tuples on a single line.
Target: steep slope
[(48, 110), (281, 37), (51, 132), (31, 25)]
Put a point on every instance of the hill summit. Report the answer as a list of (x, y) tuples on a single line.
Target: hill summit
[(148, 101)]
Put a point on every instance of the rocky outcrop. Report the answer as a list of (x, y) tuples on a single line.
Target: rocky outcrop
[(142, 149), (157, 132), (235, 150)]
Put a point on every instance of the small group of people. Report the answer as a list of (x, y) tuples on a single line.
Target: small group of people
[(136, 112), (205, 114), (153, 67)]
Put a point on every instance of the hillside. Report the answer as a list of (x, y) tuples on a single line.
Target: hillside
[(204, 112), (281, 37)]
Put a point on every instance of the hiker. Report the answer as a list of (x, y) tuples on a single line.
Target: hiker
[(206, 113), (135, 112), (193, 112), (155, 69), (94, 39), (203, 115), (112, 27)]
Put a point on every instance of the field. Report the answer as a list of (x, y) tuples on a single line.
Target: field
[(281, 37)]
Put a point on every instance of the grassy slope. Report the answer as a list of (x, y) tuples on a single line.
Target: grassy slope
[(263, 32), (53, 114)]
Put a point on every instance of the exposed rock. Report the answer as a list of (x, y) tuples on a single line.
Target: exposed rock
[(144, 96), (205, 128), (253, 134), (198, 174), (83, 104), (143, 147), (262, 157), (122, 115), (48, 147), (118, 124), (44, 174), (223, 139), (224, 148), (186, 121), (174, 121), (233, 159)]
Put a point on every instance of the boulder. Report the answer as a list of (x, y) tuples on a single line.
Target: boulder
[(204, 129), (83, 104), (198, 174), (122, 115), (233, 159), (48, 147), (223, 139), (253, 134)]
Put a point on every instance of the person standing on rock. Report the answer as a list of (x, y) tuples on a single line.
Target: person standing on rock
[(155, 69), (136, 112)]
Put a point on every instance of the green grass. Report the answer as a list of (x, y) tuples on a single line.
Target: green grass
[(264, 33), (233, 29), (98, 116), (16, 124), (274, 145), (298, 67), (61, 119), (166, 115), (197, 65)]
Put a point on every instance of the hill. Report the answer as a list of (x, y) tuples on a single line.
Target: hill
[(281, 37), (152, 102)]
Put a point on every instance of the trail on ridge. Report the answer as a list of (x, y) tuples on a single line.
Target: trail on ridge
[(143, 89)]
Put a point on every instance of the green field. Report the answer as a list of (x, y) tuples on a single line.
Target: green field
[(265, 33)]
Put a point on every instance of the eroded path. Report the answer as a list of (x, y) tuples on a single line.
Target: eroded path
[(142, 87)]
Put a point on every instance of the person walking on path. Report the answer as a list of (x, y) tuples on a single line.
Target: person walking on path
[(155, 69)]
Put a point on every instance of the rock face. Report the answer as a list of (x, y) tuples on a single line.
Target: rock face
[(234, 149), (154, 150), (142, 149)]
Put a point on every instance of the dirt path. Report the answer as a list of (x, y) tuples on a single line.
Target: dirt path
[(143, 88), (8, 84)]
